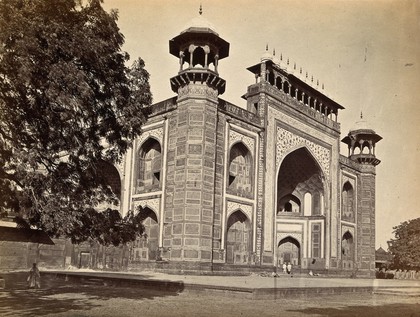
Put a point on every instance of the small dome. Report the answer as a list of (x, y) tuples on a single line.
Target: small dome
[(200, 23), (361, 124), (266, 55)]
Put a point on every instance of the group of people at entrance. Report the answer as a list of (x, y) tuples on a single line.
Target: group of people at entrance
[(287, 267)]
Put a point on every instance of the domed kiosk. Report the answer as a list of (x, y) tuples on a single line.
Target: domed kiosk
[(361, 142)]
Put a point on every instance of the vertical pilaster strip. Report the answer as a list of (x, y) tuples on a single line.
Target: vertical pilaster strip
[(162, 202), (223, 233)]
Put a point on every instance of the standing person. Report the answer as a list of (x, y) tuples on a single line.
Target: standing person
[(289, 268), (34, 278), (284, 267)]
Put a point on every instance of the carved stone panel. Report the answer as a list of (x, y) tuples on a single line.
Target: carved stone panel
[(344, 229), (192, 90), (152, 203), (156, 133), (233, 206), (295, 235), (286, 140), (235, 137)]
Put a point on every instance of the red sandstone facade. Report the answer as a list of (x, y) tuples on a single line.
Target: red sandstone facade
[(229, 188)]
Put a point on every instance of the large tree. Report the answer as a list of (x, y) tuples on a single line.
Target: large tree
[(68, 103), (405, 247)]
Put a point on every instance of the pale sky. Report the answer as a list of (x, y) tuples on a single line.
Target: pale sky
[(366, 52)]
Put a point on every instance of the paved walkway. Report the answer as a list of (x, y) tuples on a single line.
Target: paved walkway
[(253, 283)]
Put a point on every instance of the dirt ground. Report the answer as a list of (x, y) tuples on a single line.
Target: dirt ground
[(60, 298)]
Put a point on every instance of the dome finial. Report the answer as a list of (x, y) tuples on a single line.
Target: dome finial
[(201, 10), (361, 114)]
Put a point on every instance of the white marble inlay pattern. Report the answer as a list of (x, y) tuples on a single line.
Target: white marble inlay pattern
[(287, 140)]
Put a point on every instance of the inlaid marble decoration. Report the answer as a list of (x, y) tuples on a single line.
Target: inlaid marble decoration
[(286, 140), (349, 229), (156, 133), (233, 206), (198, 90), (235, 137), (295, 235), (152, 203)]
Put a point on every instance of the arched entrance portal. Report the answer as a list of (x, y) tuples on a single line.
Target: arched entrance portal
[(300, 188), (288, 251), (347, 251), (238, 244), (146, 247)]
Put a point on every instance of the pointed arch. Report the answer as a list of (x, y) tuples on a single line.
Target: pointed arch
[(286, 87), (289, 251), (316, 203), (289, 203), (107, 176), (149, 166), (111, 177), (348, 202), (240, 170), (348, 250), (300, 175), (238, 238), (279, 82), (199, 57), (146, 247)]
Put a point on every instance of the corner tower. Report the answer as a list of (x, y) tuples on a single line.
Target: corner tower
[(191, 192), (199, 49), (361, 142)]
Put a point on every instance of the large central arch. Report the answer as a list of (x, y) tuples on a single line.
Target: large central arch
[(300, 184)]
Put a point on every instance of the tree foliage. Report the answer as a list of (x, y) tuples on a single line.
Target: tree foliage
[(406, 246), (68, 102)]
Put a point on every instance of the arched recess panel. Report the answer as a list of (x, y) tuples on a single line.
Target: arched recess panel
[(307, 204), (110, 176), (316, 203), (300, 176), (146, 247), (289, 251), (347, 251), (149, 166), (239, 238), (240, 171), (289, 203), (347, 205)]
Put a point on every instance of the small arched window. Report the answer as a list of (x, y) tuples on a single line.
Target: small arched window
[(316, 204), (240, 171), (307, 204), (286, 87), (278, 82), (199, 57), (149, 166), (347, 206)]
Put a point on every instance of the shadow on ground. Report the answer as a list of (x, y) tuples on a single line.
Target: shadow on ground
[(57, 295), (388, 310)]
